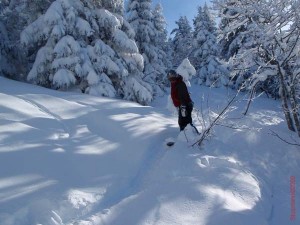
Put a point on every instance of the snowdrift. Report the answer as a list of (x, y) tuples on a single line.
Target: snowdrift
[(68, 158)]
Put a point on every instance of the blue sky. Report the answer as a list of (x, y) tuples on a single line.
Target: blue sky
[(173, 9)]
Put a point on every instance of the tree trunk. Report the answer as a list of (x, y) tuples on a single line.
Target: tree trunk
[(250, 99), (294, 105), (284, 101)]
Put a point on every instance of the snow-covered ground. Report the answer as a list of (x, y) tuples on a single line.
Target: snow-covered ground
[(68, 158)]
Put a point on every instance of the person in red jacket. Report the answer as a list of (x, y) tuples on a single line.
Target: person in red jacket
[(181, 100)]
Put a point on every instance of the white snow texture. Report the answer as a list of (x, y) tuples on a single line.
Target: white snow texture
[(68, 158)]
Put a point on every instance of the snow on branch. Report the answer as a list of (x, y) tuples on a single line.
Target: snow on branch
[(63, 78), (186, 70), (123, 43)]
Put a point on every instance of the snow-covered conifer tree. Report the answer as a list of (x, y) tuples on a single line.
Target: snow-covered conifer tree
[(198, 26), (161, 41), (85, 46), (15, 16), (233, 38), (205, 51), (182, 41), (232, 24), (140, 17), (114, 6), (6, 67), (160, 23)]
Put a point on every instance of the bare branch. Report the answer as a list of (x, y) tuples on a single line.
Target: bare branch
[(292, 49), (215, 121), (250, 99), (277, 135)]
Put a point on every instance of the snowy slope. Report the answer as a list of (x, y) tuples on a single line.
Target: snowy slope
[(68, 158)]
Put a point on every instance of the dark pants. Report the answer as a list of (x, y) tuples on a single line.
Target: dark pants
[(184, 121)]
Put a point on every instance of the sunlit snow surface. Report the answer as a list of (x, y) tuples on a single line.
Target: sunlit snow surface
[(68, 158)]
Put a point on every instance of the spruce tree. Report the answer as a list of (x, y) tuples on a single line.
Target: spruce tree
[(161, 41), (114, 6), (6, 67), (84, 46), (205, 52), (140, 17), (15, 16), (182, 41)]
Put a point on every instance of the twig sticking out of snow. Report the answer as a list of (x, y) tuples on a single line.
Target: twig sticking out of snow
[(215, 121)]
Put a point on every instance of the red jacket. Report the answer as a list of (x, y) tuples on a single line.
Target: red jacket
[(179, 92)]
